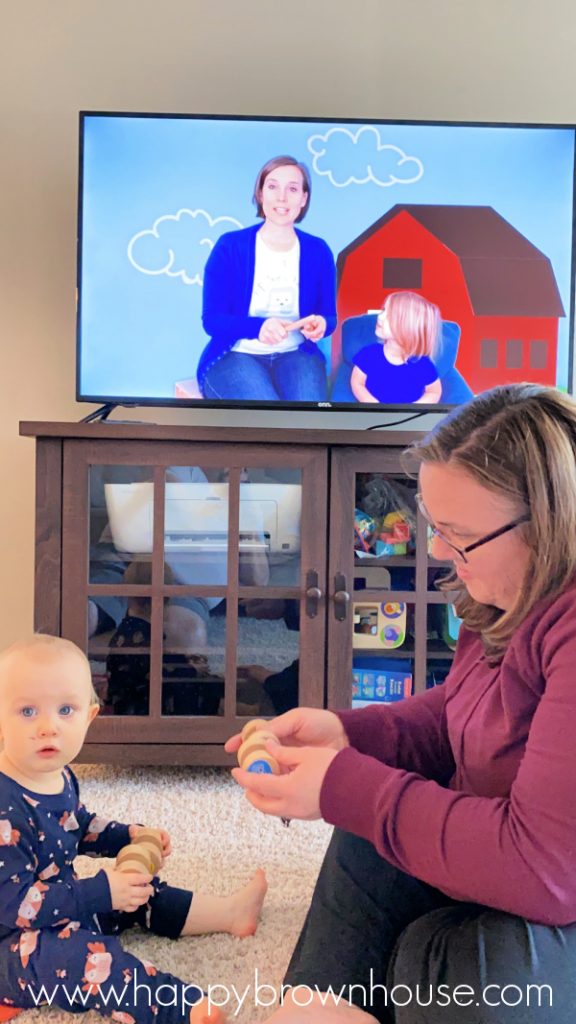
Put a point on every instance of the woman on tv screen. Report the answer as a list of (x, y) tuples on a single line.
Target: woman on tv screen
[(269, 296)]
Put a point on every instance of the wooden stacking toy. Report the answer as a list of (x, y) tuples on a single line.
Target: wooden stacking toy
[(252, 755), (143, 854)]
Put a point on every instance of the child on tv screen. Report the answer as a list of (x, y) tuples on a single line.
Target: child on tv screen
[(399, 367)]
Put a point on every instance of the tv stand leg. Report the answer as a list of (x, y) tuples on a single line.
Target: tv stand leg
[(101, 413)]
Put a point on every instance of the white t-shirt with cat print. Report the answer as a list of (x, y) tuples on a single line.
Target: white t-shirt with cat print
[(275, 293)]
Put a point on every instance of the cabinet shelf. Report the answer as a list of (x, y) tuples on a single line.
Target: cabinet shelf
[(436, 649), (385, 561), (383, 652)]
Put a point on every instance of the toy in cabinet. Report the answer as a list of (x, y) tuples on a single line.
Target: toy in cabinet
[(379, 624), (451, 629), (380, 680)]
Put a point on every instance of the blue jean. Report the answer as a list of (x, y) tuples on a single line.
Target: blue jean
[(107, 566), (291, 376), (373, 930)]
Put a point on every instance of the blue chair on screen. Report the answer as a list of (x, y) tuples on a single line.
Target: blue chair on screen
[(358, 331)]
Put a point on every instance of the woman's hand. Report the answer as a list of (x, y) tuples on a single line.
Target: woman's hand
[(295, 794), (314, 328), (302, 727), (273, 331)]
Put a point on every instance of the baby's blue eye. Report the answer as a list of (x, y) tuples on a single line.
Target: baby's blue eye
[(66, 710), (28, 712)]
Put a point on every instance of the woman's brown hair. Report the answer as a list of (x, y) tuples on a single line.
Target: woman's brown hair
[(519, 441)]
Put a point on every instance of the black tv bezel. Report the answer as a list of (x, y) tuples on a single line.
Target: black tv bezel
[(280, 406)]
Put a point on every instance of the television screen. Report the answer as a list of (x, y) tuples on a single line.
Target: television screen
[(297, 263)]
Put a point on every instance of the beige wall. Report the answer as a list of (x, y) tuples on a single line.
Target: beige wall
[(443, 59)]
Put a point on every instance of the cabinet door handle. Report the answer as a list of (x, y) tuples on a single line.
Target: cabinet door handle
[(341, 597), (313, 594)]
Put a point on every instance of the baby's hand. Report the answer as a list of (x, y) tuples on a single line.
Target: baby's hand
[(166, 844), (128, 889)]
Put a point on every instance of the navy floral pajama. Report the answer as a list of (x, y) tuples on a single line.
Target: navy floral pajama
[(58, 933)]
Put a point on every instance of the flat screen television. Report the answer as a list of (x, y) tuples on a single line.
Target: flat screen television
[(234, 261)]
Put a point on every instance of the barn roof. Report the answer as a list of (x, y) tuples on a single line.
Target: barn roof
[(506, 275)]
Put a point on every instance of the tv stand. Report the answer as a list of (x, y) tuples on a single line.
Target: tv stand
[(272, 577)]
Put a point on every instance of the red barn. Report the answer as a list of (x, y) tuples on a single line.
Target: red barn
[(478, 269)]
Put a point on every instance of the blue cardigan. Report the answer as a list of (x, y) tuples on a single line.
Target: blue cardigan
[(227, 292)]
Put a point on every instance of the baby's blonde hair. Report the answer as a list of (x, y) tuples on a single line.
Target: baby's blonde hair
[(52, 645), (414, 323)]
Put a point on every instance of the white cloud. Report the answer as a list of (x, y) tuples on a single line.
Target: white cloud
[(348, 158), (178, 244)]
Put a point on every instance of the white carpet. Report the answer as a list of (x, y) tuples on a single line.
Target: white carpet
[(218, 841)]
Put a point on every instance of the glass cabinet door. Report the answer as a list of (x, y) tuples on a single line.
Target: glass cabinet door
[(389, 629), (202, 594)]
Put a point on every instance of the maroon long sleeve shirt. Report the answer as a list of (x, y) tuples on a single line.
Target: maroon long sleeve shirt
[(471, 786)]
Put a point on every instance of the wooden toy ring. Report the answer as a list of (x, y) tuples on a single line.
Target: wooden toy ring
[(153, 854), (262, 763), (252, 755), (252, 726), (253, 749), (144, 853), (257, 740), (150, 835), (134, 858)]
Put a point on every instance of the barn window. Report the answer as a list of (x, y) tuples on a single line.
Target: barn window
[(402, 273), (488, 353), (538, 355), (514, 353)]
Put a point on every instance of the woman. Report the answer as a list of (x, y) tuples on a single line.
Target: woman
[(449, 886), (269, 296)]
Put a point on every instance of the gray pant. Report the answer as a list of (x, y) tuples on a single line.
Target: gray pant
[(407, 953)]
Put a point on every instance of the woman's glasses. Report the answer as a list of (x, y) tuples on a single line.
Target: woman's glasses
[(462, 552)]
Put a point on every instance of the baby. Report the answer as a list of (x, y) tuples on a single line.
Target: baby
[(61, 931), (400, 367)]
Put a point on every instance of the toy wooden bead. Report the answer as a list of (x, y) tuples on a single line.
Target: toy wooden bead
[(257, 741), (252, 755), (150, 835), (250, 727), (262, 762), (144, 853), (134, 858), (153, 854)]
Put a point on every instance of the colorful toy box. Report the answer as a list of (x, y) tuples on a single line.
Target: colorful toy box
[(380, 681), (379, 624)]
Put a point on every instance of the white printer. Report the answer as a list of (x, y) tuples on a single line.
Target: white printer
[(196, 517)]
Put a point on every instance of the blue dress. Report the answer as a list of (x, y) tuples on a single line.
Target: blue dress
[(394, 383)]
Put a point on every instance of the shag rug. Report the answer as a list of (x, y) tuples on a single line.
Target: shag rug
[(218, 841)]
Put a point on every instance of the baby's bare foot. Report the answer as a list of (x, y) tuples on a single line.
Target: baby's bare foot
[(246, 906), (203, 1013)]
